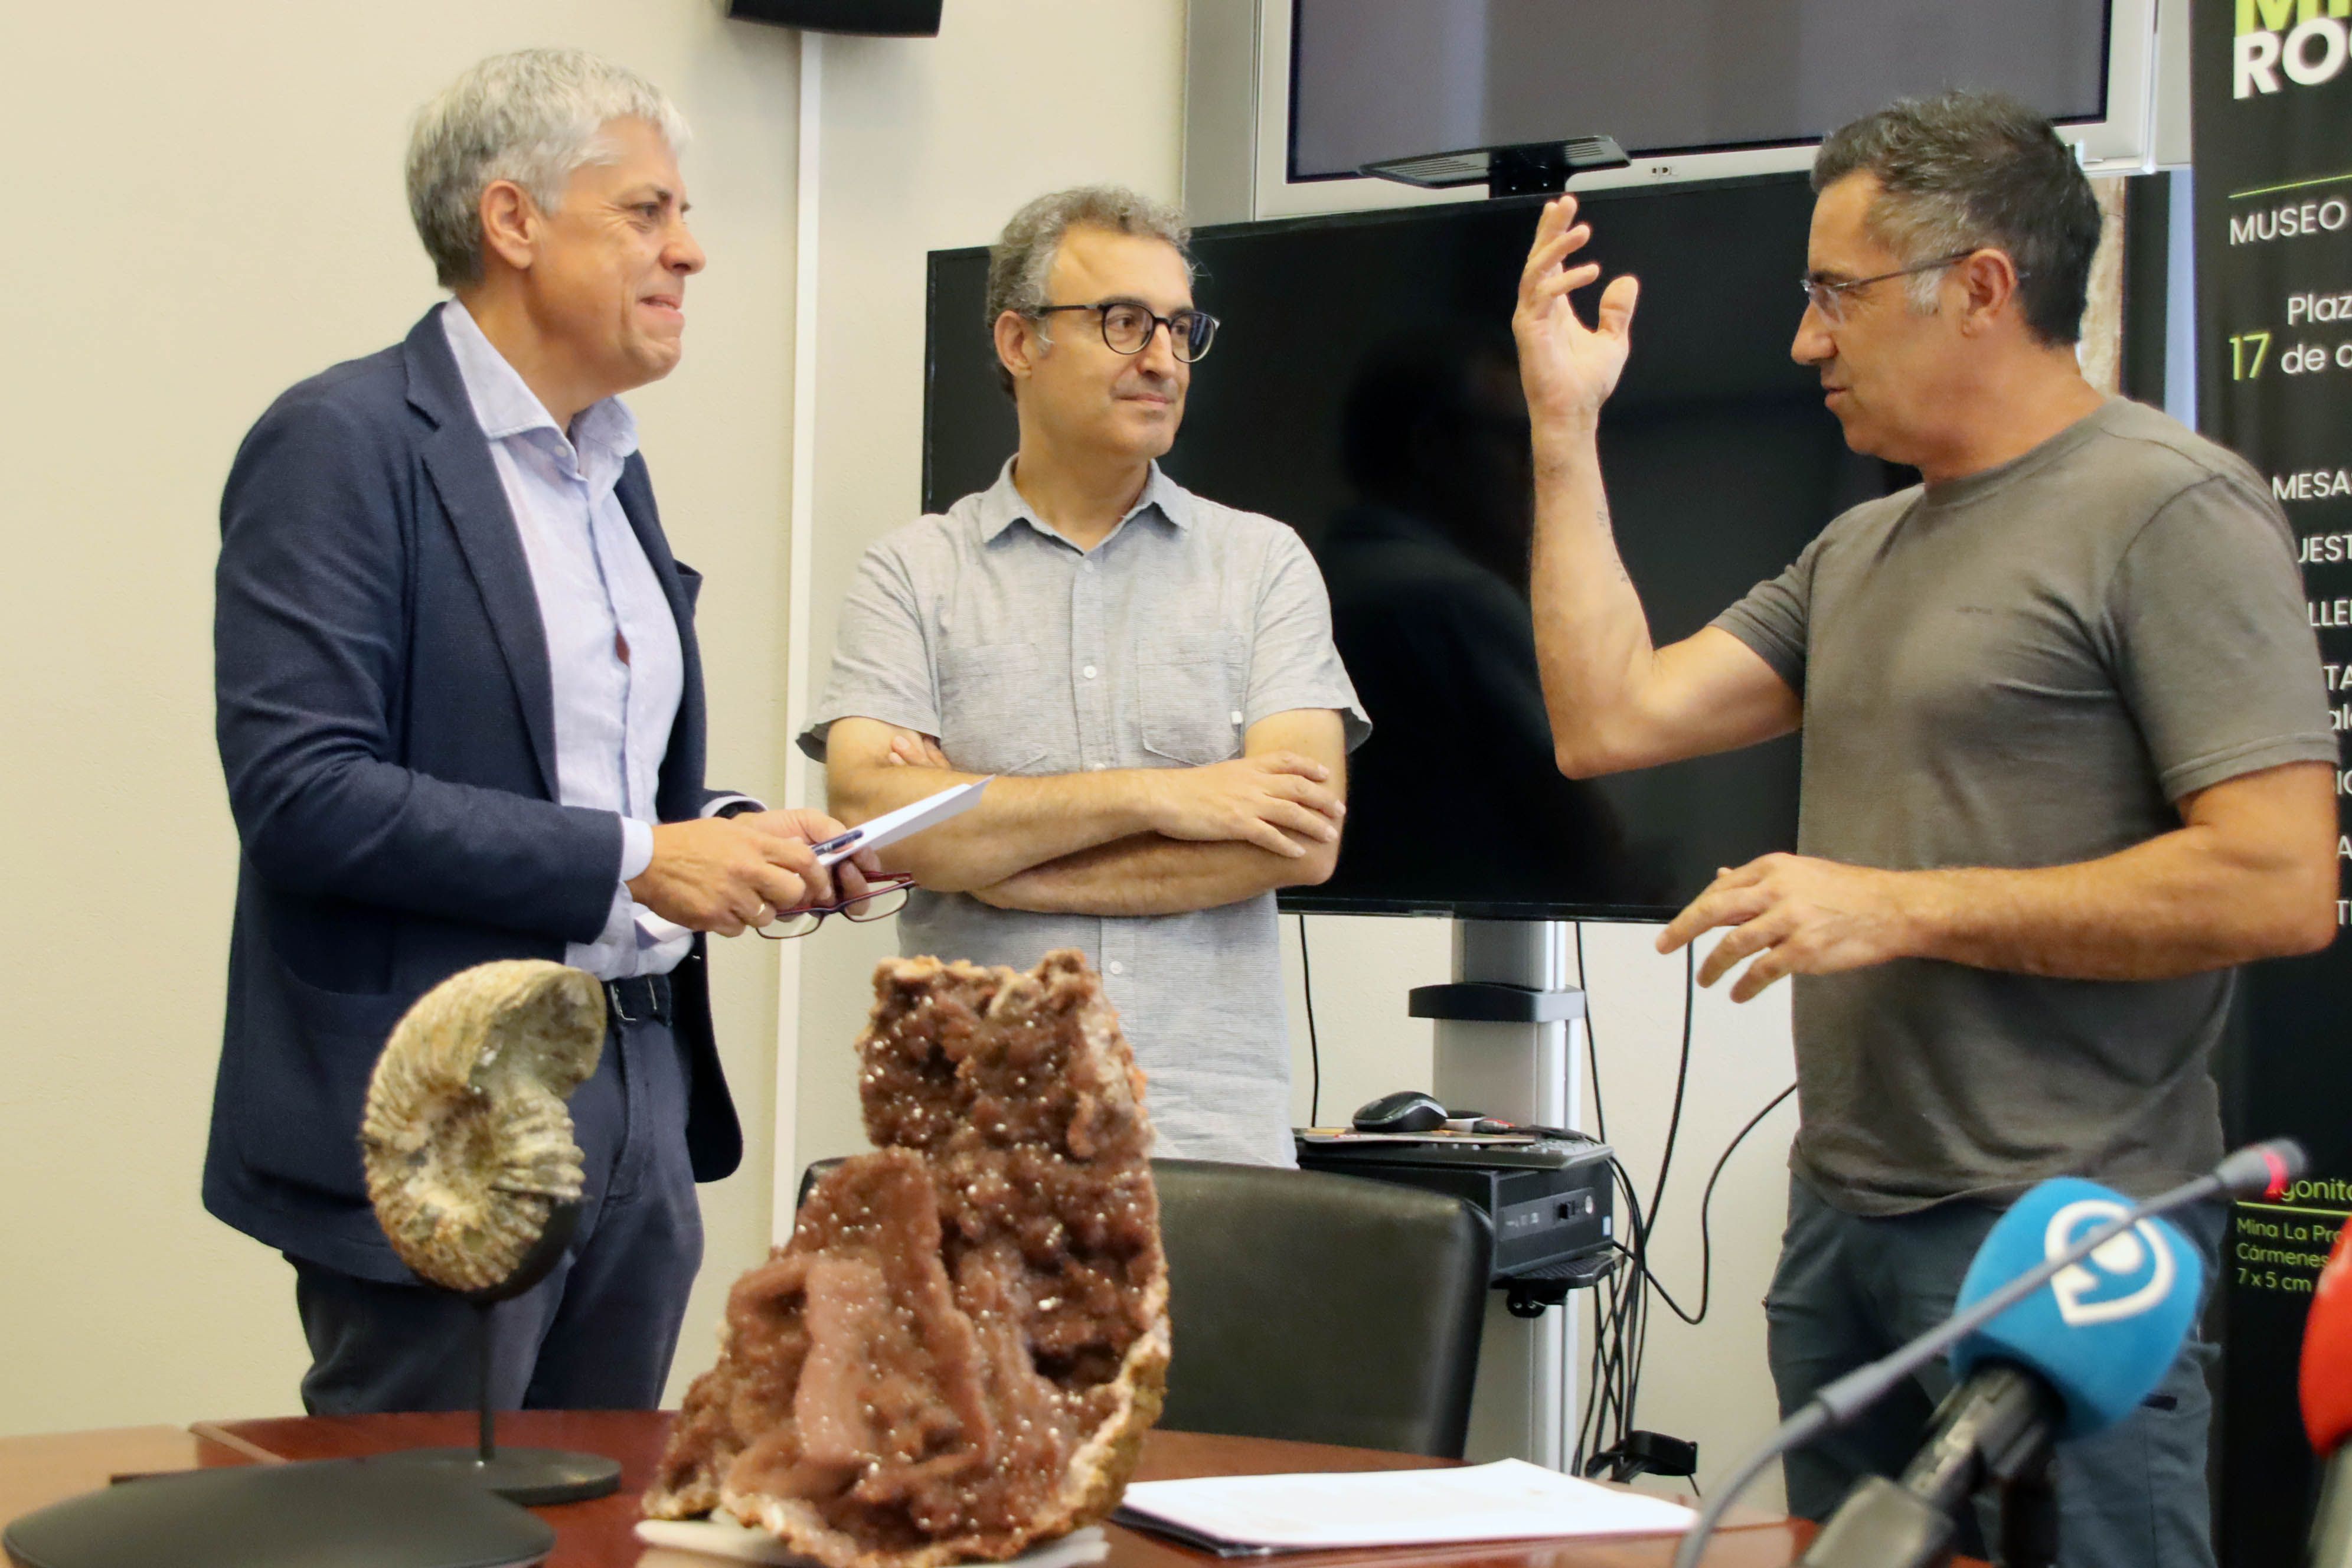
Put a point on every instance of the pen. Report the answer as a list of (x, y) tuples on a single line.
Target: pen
[(839, 841)]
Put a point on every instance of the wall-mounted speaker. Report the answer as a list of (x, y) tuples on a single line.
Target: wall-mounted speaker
[(876, 19)]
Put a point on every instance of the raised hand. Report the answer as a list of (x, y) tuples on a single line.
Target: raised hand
[(1567, 368), (1273, 801)]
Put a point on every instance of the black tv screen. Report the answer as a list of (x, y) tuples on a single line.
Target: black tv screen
[(1376, 79), (1364, 390)]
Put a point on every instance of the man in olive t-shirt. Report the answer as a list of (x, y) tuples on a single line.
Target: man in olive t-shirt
[(2028, 666), (2066, 761)]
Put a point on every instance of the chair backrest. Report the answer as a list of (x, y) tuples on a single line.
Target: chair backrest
[(1321, 1308)]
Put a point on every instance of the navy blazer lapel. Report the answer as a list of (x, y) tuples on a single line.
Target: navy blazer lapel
[(682, 763), (457, 457)]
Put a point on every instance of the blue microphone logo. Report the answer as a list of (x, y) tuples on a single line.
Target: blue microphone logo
[(2124, 1277), (2107, 1329)]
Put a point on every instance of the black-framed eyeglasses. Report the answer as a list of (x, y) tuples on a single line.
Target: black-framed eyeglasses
[(1127, 327), (1829, 299), (884, 897)]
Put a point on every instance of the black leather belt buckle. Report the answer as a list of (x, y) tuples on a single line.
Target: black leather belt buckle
[(642, 999)]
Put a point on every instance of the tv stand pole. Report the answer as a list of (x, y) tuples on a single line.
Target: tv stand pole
[(1508, 1031)]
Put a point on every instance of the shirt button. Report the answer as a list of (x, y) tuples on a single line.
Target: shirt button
[(1116, 967), (1237, 715), (1096, 767), (1089, 672)]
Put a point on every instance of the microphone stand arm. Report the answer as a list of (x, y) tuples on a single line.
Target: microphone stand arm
[(2002, 1439), (2028, 1502), (1838, 1402)]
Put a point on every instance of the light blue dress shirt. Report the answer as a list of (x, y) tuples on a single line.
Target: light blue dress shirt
[(1158, 647), (612, 641)]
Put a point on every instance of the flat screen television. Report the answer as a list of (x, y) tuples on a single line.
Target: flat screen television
[(1364, 390), (1287, 98), (1374, 79)]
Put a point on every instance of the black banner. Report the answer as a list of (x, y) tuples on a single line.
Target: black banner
[(2272, 88)]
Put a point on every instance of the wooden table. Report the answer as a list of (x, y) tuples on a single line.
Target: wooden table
[(37, 1470)]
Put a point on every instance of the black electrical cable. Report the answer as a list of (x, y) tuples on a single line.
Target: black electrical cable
[(1609, 1424), (1618, 1310), (1658, 1194), (1314, 1046), (1620, 1300), (1705, 1242), (1618, 1303), (1681, 1079), (1591, 1041)]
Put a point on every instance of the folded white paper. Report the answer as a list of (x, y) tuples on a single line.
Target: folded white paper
[(702, 1543), (1507, 1501)]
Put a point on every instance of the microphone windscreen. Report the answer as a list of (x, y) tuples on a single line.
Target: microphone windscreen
[(2263, 1170), (2105, 1330), (2327, 1353)]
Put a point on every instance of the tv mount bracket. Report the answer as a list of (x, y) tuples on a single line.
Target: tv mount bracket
[(1532, 168)]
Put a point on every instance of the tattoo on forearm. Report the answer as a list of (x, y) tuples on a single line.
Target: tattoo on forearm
[(1609, 536)]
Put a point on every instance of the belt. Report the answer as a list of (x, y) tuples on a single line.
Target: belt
[(639, 999)]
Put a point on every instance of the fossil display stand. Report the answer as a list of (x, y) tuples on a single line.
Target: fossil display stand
[(475, 1177), (533, 1477)]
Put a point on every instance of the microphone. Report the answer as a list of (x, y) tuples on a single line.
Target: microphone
[(2107, 1329), (2062, 1364), (2259, 1168), (2327, 1404)]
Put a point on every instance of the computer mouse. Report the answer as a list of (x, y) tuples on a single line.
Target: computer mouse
[(1406, 1111)]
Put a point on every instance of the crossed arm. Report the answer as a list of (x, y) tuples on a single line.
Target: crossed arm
[(1131, 841)]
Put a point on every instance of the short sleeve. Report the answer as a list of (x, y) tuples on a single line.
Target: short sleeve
[(881, 656), (1294, 663), (2212, 642), (1773, 619)]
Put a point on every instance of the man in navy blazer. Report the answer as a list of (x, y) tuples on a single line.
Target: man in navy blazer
[(460, 714)]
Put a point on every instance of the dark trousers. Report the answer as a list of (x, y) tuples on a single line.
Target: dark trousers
[(598, 1333), (1850, 1288)]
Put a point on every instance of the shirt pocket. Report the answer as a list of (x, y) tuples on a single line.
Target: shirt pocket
[(1188, 696), (990, 715)]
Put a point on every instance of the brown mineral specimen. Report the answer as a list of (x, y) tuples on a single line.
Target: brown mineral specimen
[(466, 1143), (958, 1355)]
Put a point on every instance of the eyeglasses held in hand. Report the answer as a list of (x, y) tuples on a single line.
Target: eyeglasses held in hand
[(884, 897), (1126, 328)]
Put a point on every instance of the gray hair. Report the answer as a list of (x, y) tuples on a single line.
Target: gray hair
[(1964, 170), (532, 117), (1022, 257)]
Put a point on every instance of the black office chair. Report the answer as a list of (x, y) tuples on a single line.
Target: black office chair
[(1320, 1307)]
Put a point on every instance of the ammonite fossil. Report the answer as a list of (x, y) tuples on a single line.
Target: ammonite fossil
[(466, 1143), (959, 1353)]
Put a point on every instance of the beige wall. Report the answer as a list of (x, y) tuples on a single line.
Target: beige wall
[(208, 207), (213, 212)]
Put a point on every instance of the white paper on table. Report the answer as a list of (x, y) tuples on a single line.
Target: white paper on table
[(1507, 1501), (701, 1542)]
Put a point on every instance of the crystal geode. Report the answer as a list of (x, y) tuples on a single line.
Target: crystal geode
[(957, 1355), (466, 1142)]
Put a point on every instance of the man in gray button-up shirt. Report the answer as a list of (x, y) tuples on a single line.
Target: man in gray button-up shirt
[(1151, 675)]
